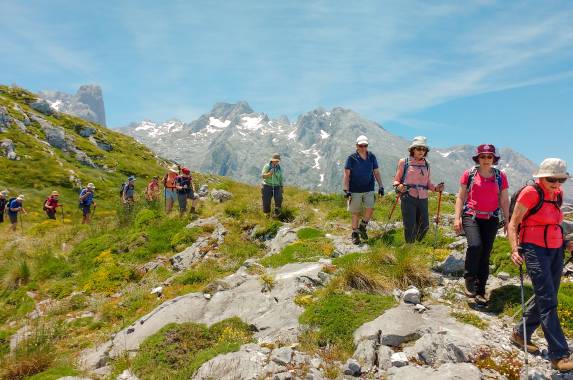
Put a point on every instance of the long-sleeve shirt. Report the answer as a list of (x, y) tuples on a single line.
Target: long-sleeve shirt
[(417, 177)]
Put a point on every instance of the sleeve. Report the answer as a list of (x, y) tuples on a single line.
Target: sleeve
[(528, 197), (430, 185), (374, 163), (399, 172), (348, 164), (464, 178), (265, 169), (504, 183)]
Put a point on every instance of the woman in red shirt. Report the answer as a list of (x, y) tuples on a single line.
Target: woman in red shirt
[(483, 193), (537, 239)]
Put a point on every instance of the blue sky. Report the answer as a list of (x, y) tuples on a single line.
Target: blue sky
[(457, 72)]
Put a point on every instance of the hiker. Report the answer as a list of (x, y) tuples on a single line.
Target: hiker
[(185, 190), (170, 191), (412, 182), (272, 187), (15, 206), (51, 204), (128, 192), (3, 202), (482, 194), (360, 170), (86, 202), (152, 190), (536, 239)]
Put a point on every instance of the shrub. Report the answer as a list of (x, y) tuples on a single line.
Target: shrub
[(18, 275), (309, 233), (268, 231), (184, 238), (301, 251), (144, 217)]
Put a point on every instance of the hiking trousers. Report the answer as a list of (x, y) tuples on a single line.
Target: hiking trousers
[(1, 217), (182, 200), (415, 217), (269, 192), (480, 234), (51, 214), (545, 266)]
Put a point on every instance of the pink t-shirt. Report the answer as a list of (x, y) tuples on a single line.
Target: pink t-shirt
[(417, 174), (484, 193), (533, 228)]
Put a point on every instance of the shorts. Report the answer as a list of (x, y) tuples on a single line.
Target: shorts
[(13, 217), (86, 210), (357, 200), (170, 194)]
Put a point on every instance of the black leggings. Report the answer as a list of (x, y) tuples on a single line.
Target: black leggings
[(481, 235)]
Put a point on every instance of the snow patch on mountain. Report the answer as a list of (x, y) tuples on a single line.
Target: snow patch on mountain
[(214, 122), (324, 134)]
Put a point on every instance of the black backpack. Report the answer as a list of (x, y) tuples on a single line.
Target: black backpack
[(7, 207), (44, 206), (121, 189)]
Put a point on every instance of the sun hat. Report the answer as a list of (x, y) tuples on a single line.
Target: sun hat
[(362, 140), (20, 197), (276, 157), (4, 192), (91, 186), (55, 193), (419, 141), (174, 169), (486, 149), (186, 170), (552, 167), (130, 178)]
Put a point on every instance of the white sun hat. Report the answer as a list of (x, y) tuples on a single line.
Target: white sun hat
[(552, 167), (419, 141), (362, 140)]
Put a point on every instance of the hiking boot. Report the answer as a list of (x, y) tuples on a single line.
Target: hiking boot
[(470, 289), (355, 238), (517, 340), (362, 230), (562, 365), (481, 300)]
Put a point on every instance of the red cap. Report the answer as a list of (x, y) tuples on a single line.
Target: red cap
[(486, 149), (186, 171)]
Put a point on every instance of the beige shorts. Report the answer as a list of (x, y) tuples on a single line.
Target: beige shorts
[(358, 200)]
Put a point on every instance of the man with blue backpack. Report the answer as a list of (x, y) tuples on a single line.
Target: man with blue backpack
[(128, 192), (14, 207), (86, 202)]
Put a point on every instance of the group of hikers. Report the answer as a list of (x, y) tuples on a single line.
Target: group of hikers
[(532, 222)]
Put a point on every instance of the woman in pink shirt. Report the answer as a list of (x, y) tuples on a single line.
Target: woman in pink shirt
[(412, 180), (482, 195), (536, 237)]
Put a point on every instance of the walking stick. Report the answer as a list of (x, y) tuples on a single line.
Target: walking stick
[(22, 221), (523, 318), (62, 206), (391, 212), (437, 218)]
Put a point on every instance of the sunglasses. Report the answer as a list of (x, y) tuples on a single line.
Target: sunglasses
[(421, 148), (553, 180), (362, 145), (486, 156)]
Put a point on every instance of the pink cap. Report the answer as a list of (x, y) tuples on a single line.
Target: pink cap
[(486, 149)]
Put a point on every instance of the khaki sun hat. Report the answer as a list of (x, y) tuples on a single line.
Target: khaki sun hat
[(20, 197), (362, 140), (419, 141), (174, 169), (276, 157), (55, 193), (552, 167), (91, 186)]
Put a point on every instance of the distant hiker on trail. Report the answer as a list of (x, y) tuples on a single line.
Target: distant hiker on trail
[(152, 190), (412, 181), (482, 196), (360, 170), (3, 202), (185, 190), (272, 187), (536, 239), (128, 192), (86, 202), (51, 205), (15, 206), (170, 191)]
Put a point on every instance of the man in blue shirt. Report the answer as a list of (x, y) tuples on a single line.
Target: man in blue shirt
[(360, 171), (86, 202), (14, 207)]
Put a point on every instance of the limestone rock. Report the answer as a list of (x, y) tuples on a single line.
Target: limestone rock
[(384, 357), (453, 264), (85, 130), (127, 375), (8, 149), (201, 247), (365, 354), (285, 236), (221, 195), (450, 371), (344, 246), (282, 356), (412, 295), (399, 359), (352, 368), (245, 364), (42, 106)]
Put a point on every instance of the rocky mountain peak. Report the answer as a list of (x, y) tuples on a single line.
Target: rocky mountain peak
[(229, 111), (87, 103)]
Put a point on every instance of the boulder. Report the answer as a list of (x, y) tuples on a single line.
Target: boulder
[(8, 149), (42, 106), (365, 354), (55, 136), (83, 158), (203, 190), (85, 130), (412, 295), (5, 119), (384, 357), (450, 371), (352, 368), (248, 363), (453, 265), (201, 247), (221, 195), (282, 356), (399, 359), (285, 236), (127, 375)]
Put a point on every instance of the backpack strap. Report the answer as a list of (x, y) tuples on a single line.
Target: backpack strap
[(469, 186), (405, 170)]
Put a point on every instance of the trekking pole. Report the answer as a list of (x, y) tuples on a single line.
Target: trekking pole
[(523, 317), (437, 218), (22, 221), (391, 212), (62, 206)]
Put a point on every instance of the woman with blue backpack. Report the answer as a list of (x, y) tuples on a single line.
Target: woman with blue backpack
[(412, 182), (482, 198)]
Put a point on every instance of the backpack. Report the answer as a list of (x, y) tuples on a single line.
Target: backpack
[(44, 206), (498, 180), (407, 165), (122, 188), (539, 204), (8, 204)]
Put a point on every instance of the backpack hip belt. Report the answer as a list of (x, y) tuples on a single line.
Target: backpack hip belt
[(417, 187), (473, 212)]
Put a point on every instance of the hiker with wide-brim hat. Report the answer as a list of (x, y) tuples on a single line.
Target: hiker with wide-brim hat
[(87, 202), (185, 191), (537, 240), (412, 181), (15, 206), (170, 188), (152, 190), (3, 202), (482, 197), (51, 205), (272, 186), (128, 192), (360, 172)]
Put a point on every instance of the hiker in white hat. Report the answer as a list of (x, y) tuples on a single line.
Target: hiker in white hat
[(360, 171), (412, 181), (15, 206), (537, 239), (272, 186), (86, 202)]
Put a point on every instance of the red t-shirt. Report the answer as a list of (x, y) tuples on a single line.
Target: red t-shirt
[(52, 202), (533, 228), (483, 195)]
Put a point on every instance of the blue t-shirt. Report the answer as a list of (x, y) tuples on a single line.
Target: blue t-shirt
[(13, 204), (185, 183), (87, 200), (361, 172)]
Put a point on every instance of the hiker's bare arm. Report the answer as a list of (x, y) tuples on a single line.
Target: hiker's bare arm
[(516, 218), (346, 179), (460, 199), (504, 204), (378, 177)]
